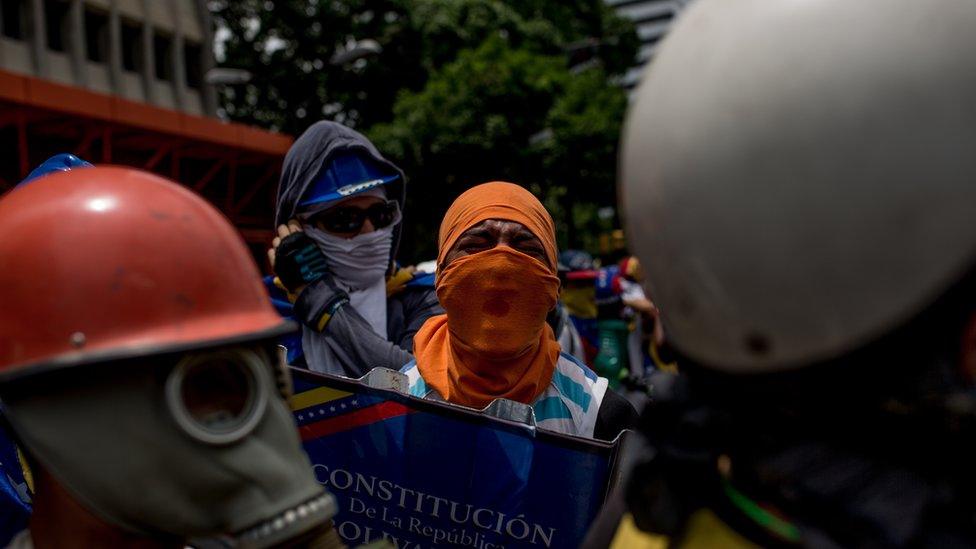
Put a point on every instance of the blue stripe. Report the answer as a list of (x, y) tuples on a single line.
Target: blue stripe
[(422, 281), (572, 390), (590, 374), (419, 387), (551, 408)]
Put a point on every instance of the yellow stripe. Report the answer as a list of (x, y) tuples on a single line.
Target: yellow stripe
[(324, 321), (670, 367), (398, 281), (25, 469), (280, 285), (315, 397)]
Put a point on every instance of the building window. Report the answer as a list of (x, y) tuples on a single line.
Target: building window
[(131, 46), (55, 21), (13, 18), (96, 36), (163, 54), (194, 65)]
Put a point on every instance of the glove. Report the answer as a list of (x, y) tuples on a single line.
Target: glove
[(299, 261)]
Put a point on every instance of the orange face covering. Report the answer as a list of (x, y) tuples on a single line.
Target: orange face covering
[(494, 341)]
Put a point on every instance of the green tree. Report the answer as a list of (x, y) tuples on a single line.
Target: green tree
[(581, 157), (471, 123), (289, 45), (464, 91), (513, 108)]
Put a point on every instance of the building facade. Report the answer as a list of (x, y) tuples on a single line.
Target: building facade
[(123, 82), (151, 51), (652, 18)]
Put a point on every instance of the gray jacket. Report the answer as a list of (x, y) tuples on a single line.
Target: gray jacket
[(348, 346)]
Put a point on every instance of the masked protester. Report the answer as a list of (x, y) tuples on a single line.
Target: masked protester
[(138, 371), (338, 213), (497, 282), (798, 182)]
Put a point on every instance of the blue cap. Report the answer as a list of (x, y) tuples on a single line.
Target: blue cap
[(57, 163), (347, 174)]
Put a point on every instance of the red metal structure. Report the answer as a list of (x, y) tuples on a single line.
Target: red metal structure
[(234, 166)]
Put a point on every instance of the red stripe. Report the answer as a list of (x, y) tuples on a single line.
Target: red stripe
[(366, 416)]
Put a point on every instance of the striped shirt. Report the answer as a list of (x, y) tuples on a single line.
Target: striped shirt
[(569, 405)]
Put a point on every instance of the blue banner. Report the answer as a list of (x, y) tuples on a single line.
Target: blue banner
[(422, 474)]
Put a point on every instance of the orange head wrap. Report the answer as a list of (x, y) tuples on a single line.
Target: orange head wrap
[(497, 200), (494, 341)]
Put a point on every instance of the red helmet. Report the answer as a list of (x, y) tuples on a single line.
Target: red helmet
[(113, 262)]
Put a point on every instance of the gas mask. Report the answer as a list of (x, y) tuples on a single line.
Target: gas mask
[(193, 445)]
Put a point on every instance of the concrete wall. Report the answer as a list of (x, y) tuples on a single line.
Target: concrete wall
[(15, 55)]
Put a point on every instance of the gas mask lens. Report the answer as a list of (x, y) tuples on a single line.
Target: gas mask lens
[(219, 397)]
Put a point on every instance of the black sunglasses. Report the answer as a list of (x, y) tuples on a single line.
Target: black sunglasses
[(350, 219)]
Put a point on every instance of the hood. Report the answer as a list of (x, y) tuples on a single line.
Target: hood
[(312, 151)]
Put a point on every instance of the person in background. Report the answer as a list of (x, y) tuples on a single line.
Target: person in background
[(497, 280), (339, 210), (141, 381), (613, 359), (645, 344), (578, 296), (562, 325)]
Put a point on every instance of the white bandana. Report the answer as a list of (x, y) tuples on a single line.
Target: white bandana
[(359, 265)]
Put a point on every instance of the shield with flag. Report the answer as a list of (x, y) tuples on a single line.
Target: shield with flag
[(421, 473)]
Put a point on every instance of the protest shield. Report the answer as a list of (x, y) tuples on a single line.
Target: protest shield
[(424, 473)]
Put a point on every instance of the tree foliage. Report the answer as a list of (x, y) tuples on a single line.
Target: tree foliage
[(464, 91), (288, 46)]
